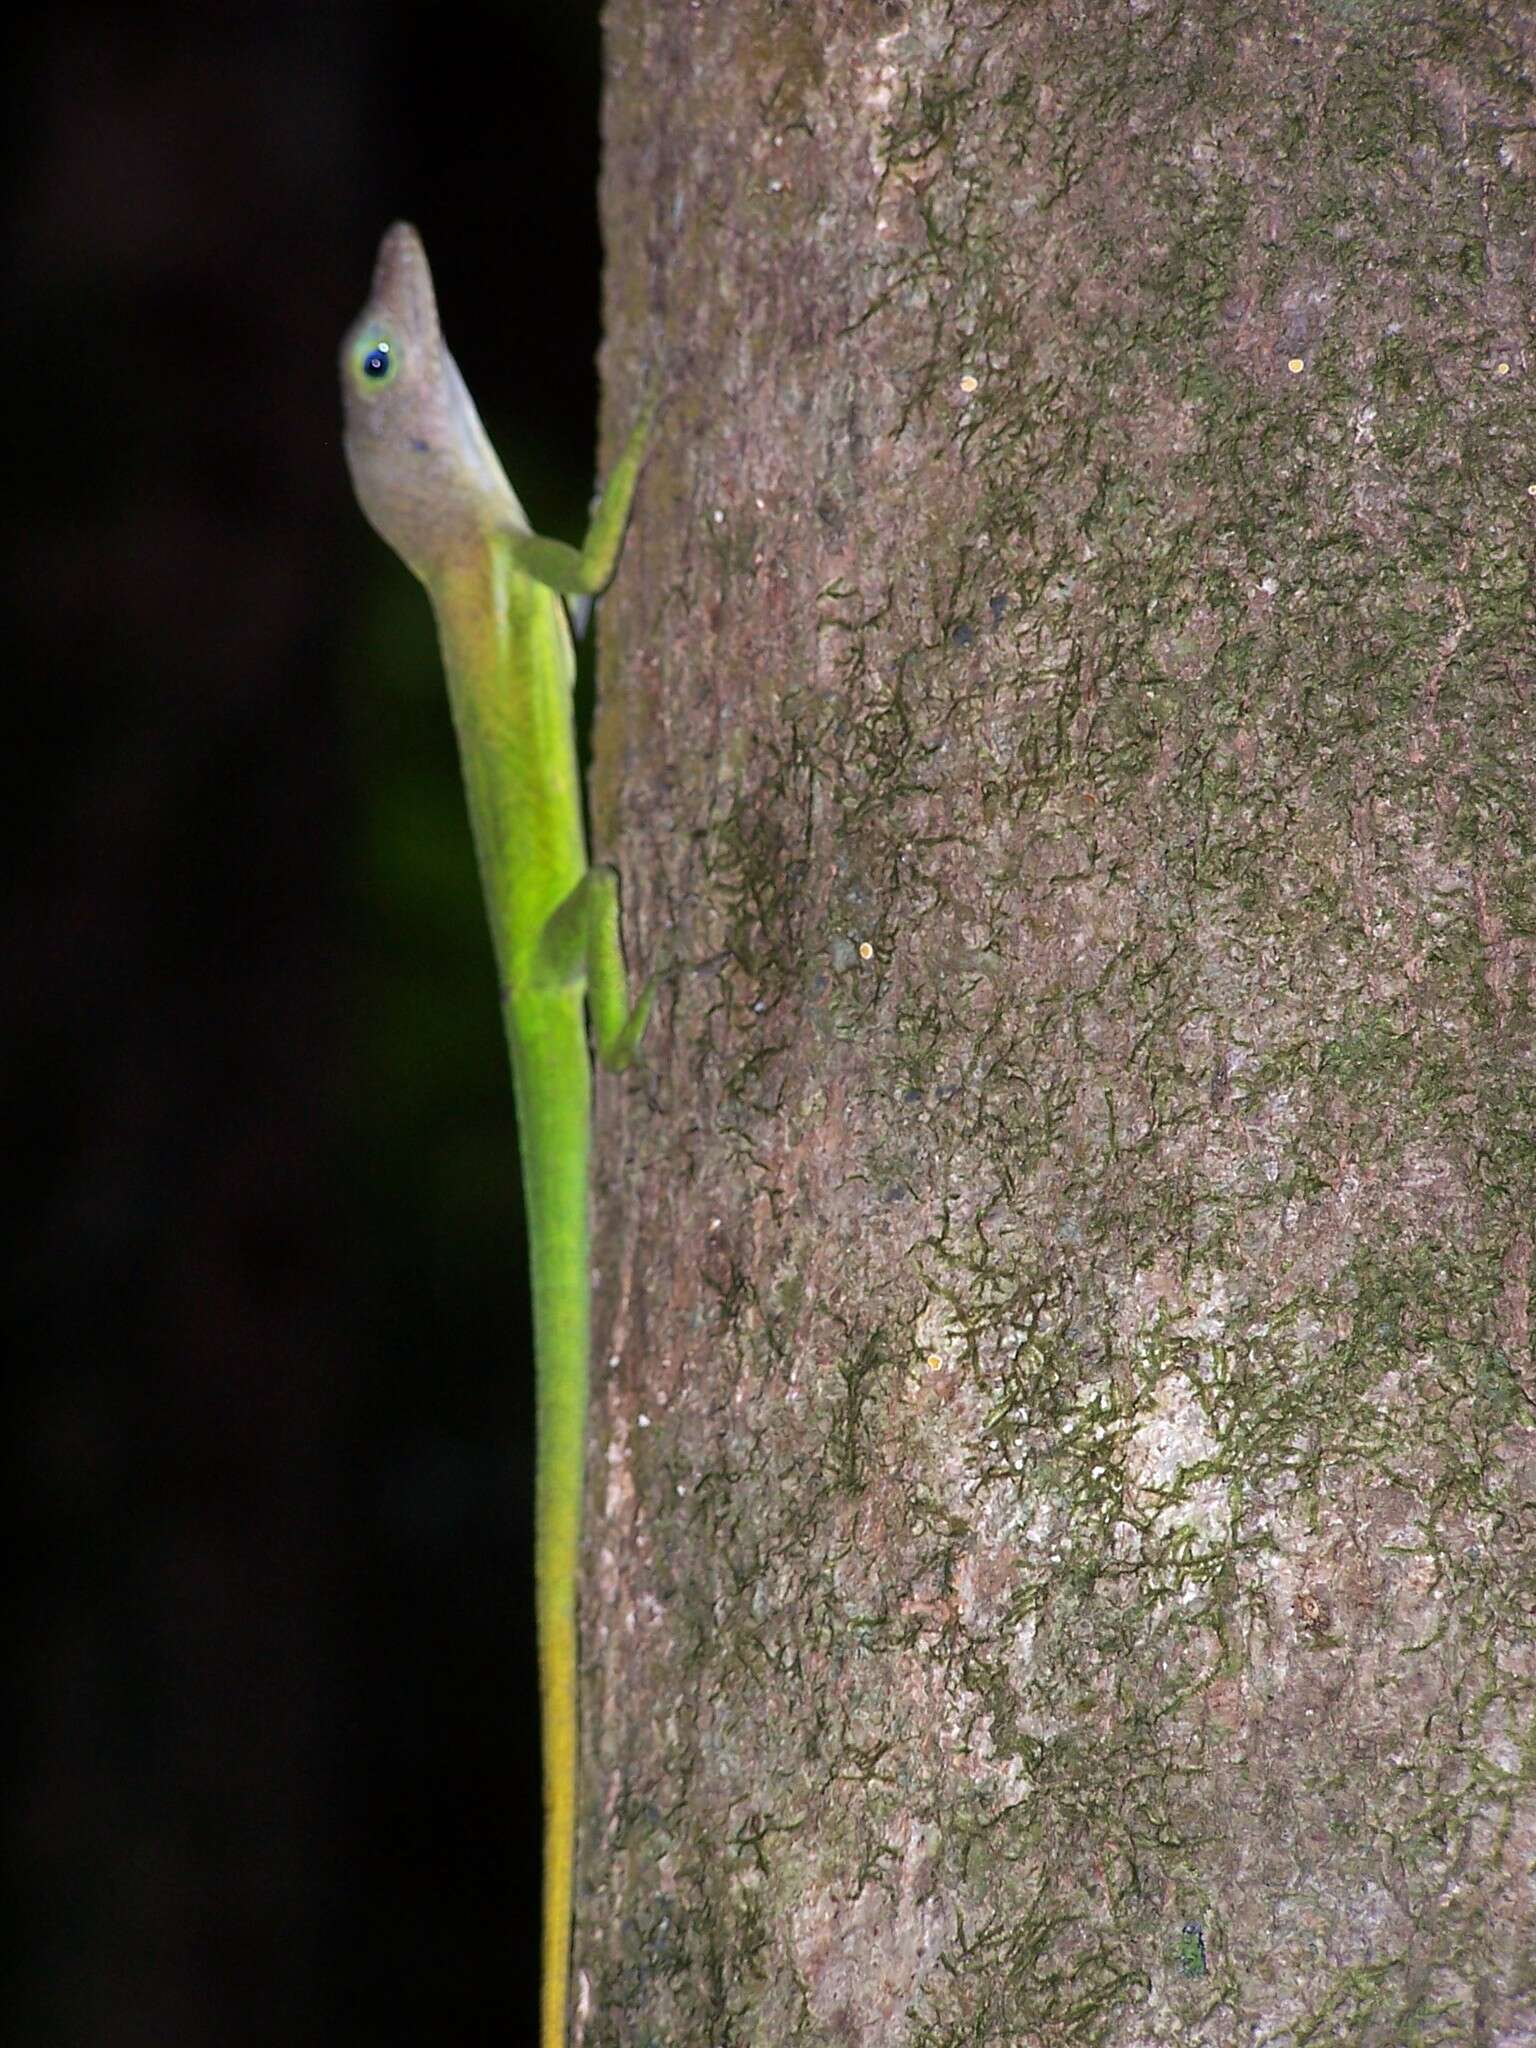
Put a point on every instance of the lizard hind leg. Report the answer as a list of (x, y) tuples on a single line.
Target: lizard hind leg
[(581, 942)]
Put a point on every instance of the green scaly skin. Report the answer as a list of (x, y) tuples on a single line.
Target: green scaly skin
[(430, 483)]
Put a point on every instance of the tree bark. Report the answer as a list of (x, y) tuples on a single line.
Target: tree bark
[(1063, 1488)]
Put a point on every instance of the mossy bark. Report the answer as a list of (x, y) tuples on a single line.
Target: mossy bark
[(1063, 1491)]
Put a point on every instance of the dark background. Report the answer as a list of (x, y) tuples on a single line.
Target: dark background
[(268, 1406)]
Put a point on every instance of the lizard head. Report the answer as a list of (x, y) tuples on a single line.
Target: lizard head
[(422, 465)]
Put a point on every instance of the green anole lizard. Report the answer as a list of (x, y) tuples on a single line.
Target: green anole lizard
[(430, 483)]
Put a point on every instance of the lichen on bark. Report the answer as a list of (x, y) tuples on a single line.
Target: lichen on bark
[(1065, 1510)]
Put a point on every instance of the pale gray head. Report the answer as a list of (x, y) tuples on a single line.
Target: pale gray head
[(422, 465)]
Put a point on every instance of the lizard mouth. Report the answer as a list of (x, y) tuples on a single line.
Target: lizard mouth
[(402, 278)]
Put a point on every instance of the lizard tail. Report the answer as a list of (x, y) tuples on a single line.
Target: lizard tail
[(552, 1080)]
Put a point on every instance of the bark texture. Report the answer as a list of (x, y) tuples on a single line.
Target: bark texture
[(1064, 1472)]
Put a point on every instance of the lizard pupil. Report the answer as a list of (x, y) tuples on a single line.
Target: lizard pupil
[(376, 361)]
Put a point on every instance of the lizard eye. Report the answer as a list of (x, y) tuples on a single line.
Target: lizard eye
[(377, 358)]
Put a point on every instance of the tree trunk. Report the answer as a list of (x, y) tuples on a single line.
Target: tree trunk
[(1063, 1485)]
